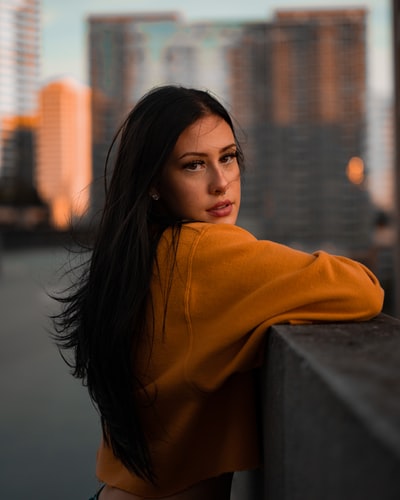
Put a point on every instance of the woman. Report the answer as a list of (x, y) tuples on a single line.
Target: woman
[(169, 322)]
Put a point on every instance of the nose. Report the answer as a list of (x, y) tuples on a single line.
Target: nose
[(218, 182)]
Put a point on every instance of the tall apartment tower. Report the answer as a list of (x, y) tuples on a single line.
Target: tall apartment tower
[(315, 192), (381, 152), (124, 63), (19, 77), (63, 173)]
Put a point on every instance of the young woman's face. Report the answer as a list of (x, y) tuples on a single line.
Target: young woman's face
[(201, 180)]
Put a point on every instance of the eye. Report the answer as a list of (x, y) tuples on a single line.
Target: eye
[(194, 166), (229, 157)]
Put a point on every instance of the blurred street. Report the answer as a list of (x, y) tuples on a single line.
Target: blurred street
[(48, 430)]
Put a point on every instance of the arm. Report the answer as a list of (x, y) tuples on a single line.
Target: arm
[(240, 286)]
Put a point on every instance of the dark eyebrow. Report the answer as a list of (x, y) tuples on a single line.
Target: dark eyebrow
[(194, 153)]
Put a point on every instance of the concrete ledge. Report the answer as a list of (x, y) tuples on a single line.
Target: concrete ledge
[(331, 411)]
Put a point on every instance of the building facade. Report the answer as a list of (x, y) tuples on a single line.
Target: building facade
[(124, 62), (381, 151), (314, 175), (63, 172), (19, 78)]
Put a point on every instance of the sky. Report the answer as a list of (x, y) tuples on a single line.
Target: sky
[(64, 28)]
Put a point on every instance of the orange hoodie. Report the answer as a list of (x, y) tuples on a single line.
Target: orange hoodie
[(225, 290)]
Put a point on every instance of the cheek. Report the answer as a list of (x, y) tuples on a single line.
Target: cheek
[(237, 173), (235, 179), (179, 194), (189, 197)]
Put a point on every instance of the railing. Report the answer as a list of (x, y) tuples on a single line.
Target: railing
[(331, 414)]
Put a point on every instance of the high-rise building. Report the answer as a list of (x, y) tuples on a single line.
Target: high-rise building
[(63, 172), (381, 151), (19, 77), (314, 172), (124, 61)]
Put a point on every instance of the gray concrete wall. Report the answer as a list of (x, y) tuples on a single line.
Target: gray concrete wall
[(331, 415)]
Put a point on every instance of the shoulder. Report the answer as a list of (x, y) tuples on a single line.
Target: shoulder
[(218, 234), (228, 247), (205, 237), (224, 250), (204, 246)]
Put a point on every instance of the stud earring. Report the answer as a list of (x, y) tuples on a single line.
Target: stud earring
[(155, 196)]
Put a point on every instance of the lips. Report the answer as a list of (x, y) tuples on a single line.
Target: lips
[(221, 209)]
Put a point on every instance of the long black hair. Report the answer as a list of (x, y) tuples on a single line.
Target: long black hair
[(103, 318)]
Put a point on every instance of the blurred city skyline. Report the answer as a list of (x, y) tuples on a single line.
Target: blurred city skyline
[(64, 29), (65, 53), (319, 53), (341, 75)]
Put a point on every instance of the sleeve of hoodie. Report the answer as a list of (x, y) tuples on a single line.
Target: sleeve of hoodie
[(239, 286)]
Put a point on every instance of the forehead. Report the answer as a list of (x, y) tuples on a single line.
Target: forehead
[(208, 132)]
